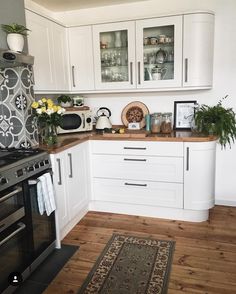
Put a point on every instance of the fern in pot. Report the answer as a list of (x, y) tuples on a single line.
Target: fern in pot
[(217, 120)]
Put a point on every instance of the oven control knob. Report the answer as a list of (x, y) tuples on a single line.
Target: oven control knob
[(88, 120), (30, 168), (36, 165), (3, 180)]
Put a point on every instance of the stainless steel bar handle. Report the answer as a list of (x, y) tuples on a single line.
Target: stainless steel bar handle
[(21, 227), (73, 75), (33, 182), (71, 170), (139, 185), (134, 159), (135, 148), (186, 70), (187, 158), (139, 78), (9, 195), (59, 171), (131, 73)]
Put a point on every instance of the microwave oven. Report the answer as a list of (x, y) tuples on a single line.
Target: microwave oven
[(76, 120)]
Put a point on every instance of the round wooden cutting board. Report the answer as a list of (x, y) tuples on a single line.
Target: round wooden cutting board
[(134, 112)]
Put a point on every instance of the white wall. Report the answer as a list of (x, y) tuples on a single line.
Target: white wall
[(224, 70)]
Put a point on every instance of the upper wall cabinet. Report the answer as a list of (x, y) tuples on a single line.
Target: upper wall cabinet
[(114, 55), (174, 52), (47, 43), (81, 58), (198, 45)]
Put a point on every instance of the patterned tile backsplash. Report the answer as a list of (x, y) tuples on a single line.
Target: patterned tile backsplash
[(17, 125)]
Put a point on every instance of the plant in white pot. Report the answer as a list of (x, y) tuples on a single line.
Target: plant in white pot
[(15, 36), (65, 101)]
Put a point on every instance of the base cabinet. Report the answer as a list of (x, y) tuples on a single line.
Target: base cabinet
[(159, 179), (70, 176)]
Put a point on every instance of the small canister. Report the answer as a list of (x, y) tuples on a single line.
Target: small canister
[(156, 122), (166, 124), (148, 122)]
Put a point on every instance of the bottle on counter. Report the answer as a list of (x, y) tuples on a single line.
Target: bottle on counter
[(166, 124), (156, 122), (148, 122)]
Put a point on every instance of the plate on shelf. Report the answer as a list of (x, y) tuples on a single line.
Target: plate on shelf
[(134, 112)]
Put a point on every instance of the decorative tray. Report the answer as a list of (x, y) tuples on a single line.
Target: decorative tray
[(134, 112)]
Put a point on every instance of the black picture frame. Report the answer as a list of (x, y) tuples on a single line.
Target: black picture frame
[(183, 114)]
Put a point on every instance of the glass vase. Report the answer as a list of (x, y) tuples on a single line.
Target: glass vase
[(49, 135)]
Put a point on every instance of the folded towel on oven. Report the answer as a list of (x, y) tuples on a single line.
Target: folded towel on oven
[(46, 198)]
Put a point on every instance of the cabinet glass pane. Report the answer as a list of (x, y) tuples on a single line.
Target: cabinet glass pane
[(114, 56), (158, 53)]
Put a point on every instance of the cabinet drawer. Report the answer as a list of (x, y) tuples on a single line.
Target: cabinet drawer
[(149, 168), (138, 192), (138, 148)]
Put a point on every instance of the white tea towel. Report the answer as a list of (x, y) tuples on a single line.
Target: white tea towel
[(48, 194), (40, 197)]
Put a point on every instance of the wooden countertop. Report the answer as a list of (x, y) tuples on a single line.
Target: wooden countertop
[(66, 141)]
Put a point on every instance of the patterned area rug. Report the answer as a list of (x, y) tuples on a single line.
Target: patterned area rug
[(131, 265)]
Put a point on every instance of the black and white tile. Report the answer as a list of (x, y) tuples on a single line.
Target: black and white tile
[(17, 124)]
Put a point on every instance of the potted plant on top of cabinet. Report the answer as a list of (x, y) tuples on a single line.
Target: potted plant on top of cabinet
[(15, 36), (217, 120)]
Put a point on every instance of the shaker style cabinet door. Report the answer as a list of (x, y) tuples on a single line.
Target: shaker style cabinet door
[(47, 43), (199, 175), (81, 58), (114, 55), (159, 52), (198, 46)]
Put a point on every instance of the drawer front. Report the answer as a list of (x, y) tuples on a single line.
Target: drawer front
[(161, 169), (138, 148), (138, 192)]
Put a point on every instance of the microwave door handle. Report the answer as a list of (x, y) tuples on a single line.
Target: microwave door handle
[(21, 227), (83, 120), (9, 195)]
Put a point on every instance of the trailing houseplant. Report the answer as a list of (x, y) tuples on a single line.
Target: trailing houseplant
[(217, 120), (15, 33)]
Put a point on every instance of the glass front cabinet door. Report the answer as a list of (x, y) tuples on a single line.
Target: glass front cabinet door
[(114, 55), (159, 52)]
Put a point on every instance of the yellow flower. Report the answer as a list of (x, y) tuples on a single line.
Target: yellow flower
[(55, 108), (43, 109), (35, 105), (44, 100)]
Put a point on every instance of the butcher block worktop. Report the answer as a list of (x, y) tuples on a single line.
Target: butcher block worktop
[(66, 141)]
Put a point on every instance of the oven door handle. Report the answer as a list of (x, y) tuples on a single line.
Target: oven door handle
[(21, 227), (9, 195)]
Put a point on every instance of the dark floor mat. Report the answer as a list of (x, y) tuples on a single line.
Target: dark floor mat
[(47, 271)]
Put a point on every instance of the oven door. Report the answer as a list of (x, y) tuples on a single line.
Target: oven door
[(12, 206), (14, 252), (71, 122)]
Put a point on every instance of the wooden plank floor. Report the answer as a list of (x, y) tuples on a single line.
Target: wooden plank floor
[(204, 259)]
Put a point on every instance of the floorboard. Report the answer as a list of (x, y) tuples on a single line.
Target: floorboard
[(204, 259)]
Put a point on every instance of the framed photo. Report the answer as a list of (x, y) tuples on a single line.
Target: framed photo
[(183, 114)]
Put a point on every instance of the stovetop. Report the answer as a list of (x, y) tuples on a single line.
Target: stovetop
[(8, 156)]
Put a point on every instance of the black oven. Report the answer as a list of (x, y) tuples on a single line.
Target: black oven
[(26, 236)]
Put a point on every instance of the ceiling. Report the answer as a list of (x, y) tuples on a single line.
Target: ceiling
[(66, 5)]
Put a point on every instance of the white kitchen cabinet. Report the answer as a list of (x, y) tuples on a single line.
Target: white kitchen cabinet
[(81, 58), (174, 52), (114, 55), (198, 45), (138, 176), (47, 43), (71, 182), (199, 175), (159, 52)]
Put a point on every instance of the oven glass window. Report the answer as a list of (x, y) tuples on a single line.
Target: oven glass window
[(11, 201), (71, 121), (14, 252)]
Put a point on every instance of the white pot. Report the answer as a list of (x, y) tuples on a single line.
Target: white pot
[(66, 104), (15, 42)]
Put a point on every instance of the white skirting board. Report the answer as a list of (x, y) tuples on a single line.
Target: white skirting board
[(149, 211), (225, 202)]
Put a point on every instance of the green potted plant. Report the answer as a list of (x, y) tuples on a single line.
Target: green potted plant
[(217, 120), (15, 36), (64, 100)]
